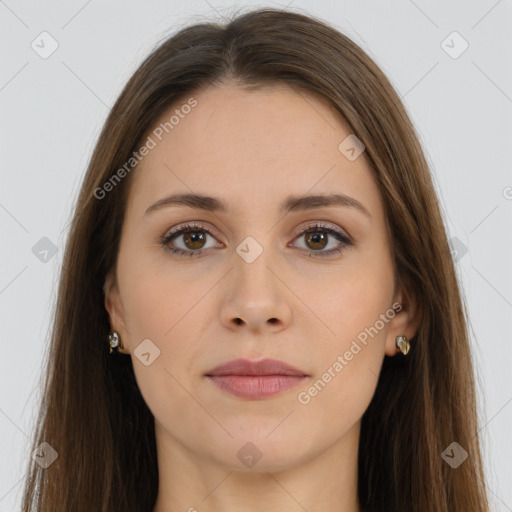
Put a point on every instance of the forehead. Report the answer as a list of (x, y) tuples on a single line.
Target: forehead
[(268, 123), (249, 145)]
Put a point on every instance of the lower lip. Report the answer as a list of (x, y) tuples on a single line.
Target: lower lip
[(255, 386)]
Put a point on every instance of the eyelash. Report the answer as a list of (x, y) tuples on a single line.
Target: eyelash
[(345, 241)]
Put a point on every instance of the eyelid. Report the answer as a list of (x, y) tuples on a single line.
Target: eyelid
[(344, 239), (197, 224), (322, 225), (204, 225)]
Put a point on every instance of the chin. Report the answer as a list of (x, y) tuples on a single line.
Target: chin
[(257, 452)]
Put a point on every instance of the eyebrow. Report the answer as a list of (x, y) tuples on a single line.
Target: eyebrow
[(291, 203)]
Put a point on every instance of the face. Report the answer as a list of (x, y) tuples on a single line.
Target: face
[(311, 285)]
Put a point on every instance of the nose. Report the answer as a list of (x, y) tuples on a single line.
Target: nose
[(256, 297)]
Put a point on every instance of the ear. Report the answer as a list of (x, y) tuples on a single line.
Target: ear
[(115, 310), (406, 320)]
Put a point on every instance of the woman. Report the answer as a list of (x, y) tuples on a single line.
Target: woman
[(258, 308)]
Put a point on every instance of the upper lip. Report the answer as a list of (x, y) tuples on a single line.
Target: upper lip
[(263, 367)]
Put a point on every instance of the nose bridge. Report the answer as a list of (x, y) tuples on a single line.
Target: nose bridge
[(253, 261), (256, 296)]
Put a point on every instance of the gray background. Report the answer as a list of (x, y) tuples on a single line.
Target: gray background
[(52, 110)]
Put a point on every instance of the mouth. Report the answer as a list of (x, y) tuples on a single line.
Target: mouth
[(255, 380)]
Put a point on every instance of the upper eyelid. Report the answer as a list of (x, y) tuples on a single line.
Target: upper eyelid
[(191, 225), (203, 225), (320, 224)]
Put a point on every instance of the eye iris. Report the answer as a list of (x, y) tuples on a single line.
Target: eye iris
[(317, 237), (194, 237)]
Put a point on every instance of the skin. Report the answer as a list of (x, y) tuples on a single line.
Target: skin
[(252, 150)]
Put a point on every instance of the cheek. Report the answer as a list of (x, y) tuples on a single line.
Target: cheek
[(169, 308), (356, 308), (348, 364), (338, 398), (158, 299), (352, 301), (160, 307)]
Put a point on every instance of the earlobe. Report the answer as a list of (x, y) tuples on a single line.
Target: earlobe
[(405, 323), (115, 312)]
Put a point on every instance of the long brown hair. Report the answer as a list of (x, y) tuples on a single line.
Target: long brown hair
[(92, 413)]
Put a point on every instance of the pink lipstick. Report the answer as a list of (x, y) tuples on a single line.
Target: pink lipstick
[(254, 380)]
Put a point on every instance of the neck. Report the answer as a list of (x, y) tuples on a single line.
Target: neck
[(189, 483)]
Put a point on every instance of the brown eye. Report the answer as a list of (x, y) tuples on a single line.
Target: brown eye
[(318, 237), (194, 239), (316, 240), (190, 239)]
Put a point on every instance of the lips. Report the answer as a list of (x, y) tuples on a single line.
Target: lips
[(255, 380), (263, 367)]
